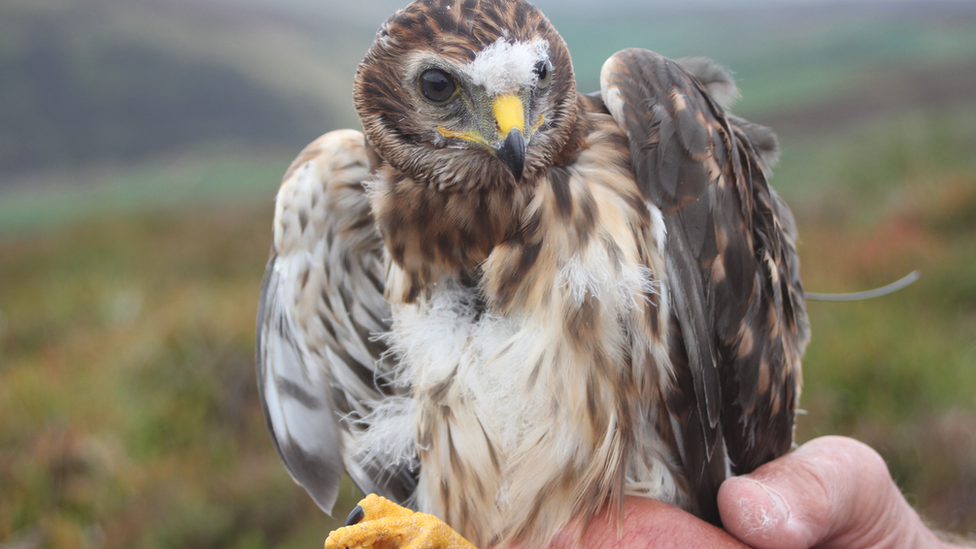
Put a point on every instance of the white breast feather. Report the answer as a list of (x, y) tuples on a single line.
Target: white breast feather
[(480, 366)]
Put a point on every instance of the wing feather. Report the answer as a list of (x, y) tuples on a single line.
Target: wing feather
[(731, 261), (319, 366)]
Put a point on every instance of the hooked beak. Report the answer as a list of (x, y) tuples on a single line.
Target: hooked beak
[(512, 152), (510, 116)]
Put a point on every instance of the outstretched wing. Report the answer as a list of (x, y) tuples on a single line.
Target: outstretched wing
[(732, 266), (318, 364)]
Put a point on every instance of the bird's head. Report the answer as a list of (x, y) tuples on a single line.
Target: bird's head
[(465, 94)]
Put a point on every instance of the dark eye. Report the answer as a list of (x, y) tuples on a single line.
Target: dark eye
[(544, 71), (437, 86)]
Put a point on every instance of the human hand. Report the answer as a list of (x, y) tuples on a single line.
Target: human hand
[(830, 492), (645, 524)]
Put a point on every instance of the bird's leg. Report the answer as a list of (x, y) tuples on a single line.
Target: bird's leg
[(378, 523)]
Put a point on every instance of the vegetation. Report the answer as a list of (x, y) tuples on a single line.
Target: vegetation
[(129, 414), (897, 372), (128, 292)]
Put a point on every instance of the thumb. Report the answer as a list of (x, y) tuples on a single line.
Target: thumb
[(830, 492)]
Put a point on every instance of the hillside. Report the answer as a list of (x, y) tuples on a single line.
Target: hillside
[(95, 82)]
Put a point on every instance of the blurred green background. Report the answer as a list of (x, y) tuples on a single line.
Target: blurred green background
[(141, 145)]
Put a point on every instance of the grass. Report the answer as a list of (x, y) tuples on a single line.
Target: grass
[(896, 372), (129, 414)]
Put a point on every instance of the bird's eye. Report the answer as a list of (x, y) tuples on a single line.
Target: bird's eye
[(437, 86), (544, 71)]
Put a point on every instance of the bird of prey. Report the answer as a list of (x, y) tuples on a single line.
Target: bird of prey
[(508, 304)]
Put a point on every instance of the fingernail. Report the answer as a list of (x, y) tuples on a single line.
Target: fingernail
[(778, 503)]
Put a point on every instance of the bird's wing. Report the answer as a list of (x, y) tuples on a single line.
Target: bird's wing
[(319, 364), (731, 261)]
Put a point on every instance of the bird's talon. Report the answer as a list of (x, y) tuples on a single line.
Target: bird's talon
[(355, 516), (379, 523)]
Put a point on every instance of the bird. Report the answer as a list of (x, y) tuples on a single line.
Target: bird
[(505, 305)]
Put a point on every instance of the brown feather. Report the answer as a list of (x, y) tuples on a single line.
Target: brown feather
[(744, 309)]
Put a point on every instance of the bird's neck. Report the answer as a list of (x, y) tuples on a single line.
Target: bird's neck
[(439, 233), (435, 236)]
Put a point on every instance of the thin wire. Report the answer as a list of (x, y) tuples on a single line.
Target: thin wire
[(870, 294)]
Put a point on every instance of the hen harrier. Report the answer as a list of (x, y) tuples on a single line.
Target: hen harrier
[(509, 304)]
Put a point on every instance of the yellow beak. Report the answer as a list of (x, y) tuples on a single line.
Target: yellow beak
[(509, 113), (510, 117)]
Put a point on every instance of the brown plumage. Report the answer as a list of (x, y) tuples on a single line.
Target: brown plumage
[(510, 304)]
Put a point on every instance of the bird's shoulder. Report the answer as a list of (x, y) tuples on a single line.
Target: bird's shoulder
[(733, 272), (322, 189)]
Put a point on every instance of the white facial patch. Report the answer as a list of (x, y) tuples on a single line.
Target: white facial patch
[(506, 67)]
